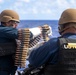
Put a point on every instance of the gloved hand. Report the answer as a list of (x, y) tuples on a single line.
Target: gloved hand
[(47, 30)]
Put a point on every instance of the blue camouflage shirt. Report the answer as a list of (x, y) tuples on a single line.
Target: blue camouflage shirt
[(47, 52), (7, 34)]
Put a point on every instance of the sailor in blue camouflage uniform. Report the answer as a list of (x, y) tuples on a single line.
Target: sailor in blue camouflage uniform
[(48, 53), (8, 34)]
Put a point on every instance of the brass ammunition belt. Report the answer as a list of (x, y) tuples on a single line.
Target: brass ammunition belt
[(21, 52), (45, 28)]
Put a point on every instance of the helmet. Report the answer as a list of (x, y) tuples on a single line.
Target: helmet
[(8, 15), (67, 16)]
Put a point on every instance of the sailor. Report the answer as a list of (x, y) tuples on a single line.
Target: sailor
[(8, 34), (58, 60)]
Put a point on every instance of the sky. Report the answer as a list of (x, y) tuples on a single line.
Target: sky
[(38, 9)]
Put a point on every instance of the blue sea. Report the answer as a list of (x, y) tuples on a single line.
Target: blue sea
[(35, 23)]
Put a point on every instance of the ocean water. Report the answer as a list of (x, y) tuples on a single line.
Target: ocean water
[(35, 23)]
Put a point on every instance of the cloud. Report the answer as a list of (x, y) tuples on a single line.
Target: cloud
[(1, 1), (26, 1), (66, 4), (48, 11), (35, 11), (33, 6), (38, 8)]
